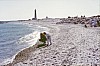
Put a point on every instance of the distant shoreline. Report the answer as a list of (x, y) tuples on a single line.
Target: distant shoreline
[(2, 22)]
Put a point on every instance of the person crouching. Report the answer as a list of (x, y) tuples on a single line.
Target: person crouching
[(43, 38)]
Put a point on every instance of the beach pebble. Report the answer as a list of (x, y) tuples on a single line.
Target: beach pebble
[(73, 45)]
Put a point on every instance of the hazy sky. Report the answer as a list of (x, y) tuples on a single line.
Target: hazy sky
[(24, 9)]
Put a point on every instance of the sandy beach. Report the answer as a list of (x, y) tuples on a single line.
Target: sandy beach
[(72, 45)]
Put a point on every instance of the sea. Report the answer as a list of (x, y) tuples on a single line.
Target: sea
[(16, 36)]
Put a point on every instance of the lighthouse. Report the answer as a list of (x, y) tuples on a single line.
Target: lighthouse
[(35, 15)]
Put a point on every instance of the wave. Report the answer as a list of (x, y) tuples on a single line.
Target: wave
[(30, 39), (27, 41)]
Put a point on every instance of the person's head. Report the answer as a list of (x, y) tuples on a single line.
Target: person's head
[(40, 33), (44, 33)]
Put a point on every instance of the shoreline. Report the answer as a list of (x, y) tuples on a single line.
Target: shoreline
[(23, 55), (71, 46), (21, 51)]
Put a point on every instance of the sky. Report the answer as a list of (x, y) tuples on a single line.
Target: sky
[(24, 9)]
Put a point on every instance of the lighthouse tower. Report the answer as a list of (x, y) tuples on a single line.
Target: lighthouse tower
[(35, 15)]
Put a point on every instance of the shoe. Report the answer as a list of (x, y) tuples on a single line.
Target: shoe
[(51, 44), (46, 44)]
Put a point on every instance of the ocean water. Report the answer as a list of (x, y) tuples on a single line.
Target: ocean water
[(16, 36)]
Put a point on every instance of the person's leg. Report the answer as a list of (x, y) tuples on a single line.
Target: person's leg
[(47, 41), (50, 40)]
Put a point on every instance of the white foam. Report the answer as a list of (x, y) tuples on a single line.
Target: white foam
[(7, 61), (30, 39)]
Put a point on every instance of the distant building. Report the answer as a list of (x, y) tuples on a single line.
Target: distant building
[(46, 17), (35, 15)]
